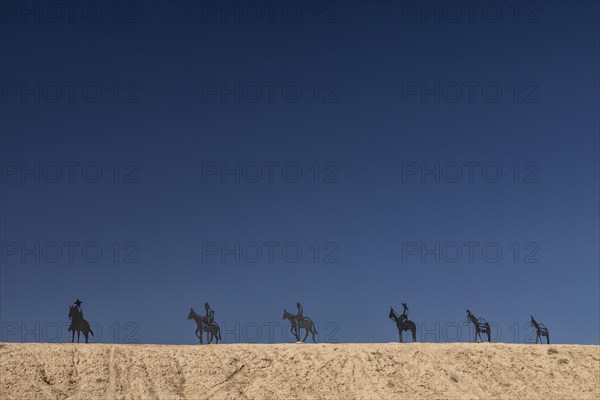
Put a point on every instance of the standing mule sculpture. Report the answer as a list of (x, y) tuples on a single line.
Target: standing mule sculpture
[(78, 324), (403, 324), (481, 325), (541, 331), (203, 325), (305, 323)]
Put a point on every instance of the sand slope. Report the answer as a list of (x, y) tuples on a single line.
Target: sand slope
[(305, 371)]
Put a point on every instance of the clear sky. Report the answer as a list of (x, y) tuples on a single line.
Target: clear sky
[(349, 155)]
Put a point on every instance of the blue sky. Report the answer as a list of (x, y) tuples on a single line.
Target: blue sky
[(347, 155)]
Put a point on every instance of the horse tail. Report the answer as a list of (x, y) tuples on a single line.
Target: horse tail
[(91, 331), (314, 327), (218, 331)]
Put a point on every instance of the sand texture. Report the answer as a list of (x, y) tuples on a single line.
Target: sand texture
[(299, 371)]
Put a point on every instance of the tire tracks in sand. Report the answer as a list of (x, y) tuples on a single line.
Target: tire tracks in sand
[(111, 390)]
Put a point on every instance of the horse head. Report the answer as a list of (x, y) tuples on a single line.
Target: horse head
[(470, 315), (533, 322), (392, 313), (191, 314)]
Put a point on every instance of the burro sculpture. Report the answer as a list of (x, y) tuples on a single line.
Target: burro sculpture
[(403, 323), (206, 324), (540, 331), (481, 325), (299, 321)]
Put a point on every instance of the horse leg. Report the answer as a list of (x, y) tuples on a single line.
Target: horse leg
[(547, 338), (414, 333), (312, 331), (73, 336), (306, 334), (294, 333), (86, 335)]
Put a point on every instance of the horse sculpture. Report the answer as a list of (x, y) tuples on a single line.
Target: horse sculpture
[(78, 324), (403, 324), (481, 325), (305, 323), (203, 325), (541, 331)]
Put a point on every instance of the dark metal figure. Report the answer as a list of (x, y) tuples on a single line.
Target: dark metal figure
[(405, 311), (403, 323), (78, 306), (299, 316), (299, 321), (204, 324), (210, 314), (481, 325), (78, 323), (541, 331)]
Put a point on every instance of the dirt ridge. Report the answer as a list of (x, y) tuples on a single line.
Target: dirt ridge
[(305, 371)]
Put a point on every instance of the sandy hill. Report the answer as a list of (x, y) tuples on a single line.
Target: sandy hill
[(305, 371)]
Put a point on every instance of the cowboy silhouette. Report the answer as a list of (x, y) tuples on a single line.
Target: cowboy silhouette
[(78, 306)]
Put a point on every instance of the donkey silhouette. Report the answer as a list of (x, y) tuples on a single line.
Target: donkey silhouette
[(403, 324), (540, 331), (305, 323), (203, 325), (481, 326)]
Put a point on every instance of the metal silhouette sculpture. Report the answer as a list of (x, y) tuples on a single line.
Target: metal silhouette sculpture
[(78, 323), (206, 324), (403, 323), (481, 325), (541, 331), (299, 321)]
